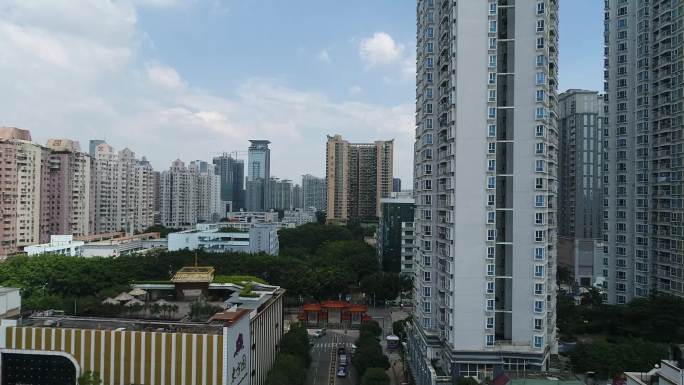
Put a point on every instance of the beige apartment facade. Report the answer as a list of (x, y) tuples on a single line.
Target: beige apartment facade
[(358, 175)]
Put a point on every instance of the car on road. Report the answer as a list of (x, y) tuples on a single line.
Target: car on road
[(353, 349), (343, 360), (342, 371), (342, 350), (317, 333)]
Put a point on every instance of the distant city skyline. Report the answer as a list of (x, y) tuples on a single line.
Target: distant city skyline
[(133, 83)]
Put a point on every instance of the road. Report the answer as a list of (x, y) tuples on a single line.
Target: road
[(322, 356)]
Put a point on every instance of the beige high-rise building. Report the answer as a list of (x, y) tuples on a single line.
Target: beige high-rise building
[(20, 180), (358, 175), (66, 196), (123, 191)]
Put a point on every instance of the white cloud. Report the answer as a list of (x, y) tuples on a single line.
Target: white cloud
[(75, 70), (379, 49), (164, 76), (323, 56), (355, 90)]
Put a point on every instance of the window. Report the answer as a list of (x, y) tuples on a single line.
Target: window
[(541, 60), (491, 234), (492, 9), (490, 252), (540, 95), (427, 277), (427, 291), (539, 148), (491, 130), (539, 253), (490, 322), (538, 324), (540, 8), (539, 165), (540, 43), (427, 260), (492, 78), (539, 131), (492, 25), (540, 78), (491, 182), (538, 288), (491, 165), (490, 339), (539, 183), (490, 199), (539, 218), (540, 25), (491, 216), (492, 43), (430, 32), (491, 148), (492, 95), (490, 305), (426, 322), (539, 236), (428, 108), (428, 93), (427, 307), (428, 123), (538, 342), (492, 60), (490, 270), (622, 23), (538, 306), (490, 287), (429, 62), (540, 112), (540, 200), (539, 271), (491, 112)]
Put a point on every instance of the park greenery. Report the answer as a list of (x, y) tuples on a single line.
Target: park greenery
[(369, 351), (292, 360), (617, 338), (316, 262), (375, 376)]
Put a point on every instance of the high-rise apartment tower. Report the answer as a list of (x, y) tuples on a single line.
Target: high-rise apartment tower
[(485, 188)]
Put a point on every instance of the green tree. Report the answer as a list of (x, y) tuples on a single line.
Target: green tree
[(90, 378), (608, 359), (375, 376), (371, 327), (467, 381)]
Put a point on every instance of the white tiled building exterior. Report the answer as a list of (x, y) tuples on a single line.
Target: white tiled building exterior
[(485, 188)]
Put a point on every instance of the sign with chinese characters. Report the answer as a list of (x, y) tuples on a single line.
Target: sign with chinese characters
[(236, 352)]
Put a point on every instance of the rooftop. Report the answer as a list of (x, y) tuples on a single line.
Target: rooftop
[(203, 274)]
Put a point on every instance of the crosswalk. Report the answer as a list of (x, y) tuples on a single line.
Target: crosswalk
[(330, 345)]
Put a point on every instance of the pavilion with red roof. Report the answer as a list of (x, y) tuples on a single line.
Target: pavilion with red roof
[(335, 314)]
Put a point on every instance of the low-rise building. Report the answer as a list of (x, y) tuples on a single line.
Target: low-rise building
[(236, 346), (10, 302), (668, 372), (253, 216), (298, 217), (59, 244), (223, 237), (118, 246)]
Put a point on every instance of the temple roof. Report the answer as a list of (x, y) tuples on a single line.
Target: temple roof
[(194, 274)]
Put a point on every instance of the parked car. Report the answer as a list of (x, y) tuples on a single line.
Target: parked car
[(343, 360), (342, 371), (353, 349)]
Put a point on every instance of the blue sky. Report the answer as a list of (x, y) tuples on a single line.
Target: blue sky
[(190, 79)]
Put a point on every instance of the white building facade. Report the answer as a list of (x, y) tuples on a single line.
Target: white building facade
[(485, 188), (222, 237), (59, 244)]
